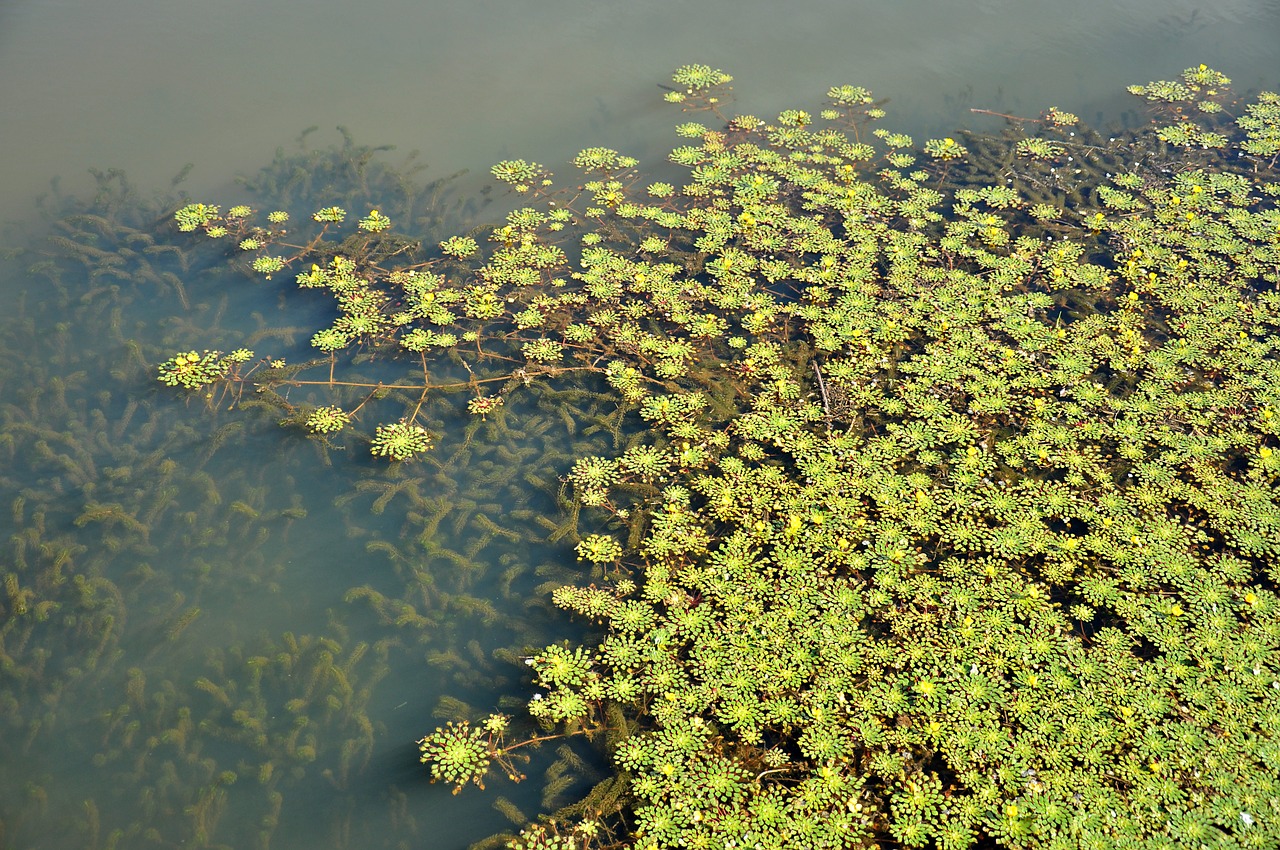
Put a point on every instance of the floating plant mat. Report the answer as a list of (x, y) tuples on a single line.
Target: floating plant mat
[(922, 495)]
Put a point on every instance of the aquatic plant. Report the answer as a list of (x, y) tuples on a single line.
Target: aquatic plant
[(194, 371), (400, 441), (599, 549), (952, 520), (326, 420), (457, 754)]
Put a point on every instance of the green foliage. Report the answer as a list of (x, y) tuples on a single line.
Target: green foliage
[(591, 478), (330, 215), (945, 149), (459, 246), (482, 406), (457, 753), (696, 78), (1058, 118), (952, 520), (602, 159), (375, 222), (194, 216), (1261, 123), (400, 441), (194, 371), (266, 266), (599, 549), (327, 420), (518, 173), (1036, 148)]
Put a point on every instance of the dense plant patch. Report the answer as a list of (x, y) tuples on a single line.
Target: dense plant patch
[(948, 516)]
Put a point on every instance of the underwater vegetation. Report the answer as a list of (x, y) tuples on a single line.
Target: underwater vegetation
[(921, 495), (204, 643)]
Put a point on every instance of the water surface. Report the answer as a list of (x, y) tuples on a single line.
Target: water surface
[(244, 632)]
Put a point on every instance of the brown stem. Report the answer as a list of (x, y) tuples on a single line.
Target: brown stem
[(366, 398), (826, 403), (426, 381), (1003, 115), (536, 739), (455, 385)]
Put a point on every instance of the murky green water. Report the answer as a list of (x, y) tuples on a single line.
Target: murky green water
[(217, 633)]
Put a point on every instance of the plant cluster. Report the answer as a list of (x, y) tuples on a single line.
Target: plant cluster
[(954, 520), (400, 441), (194, 371), (457, 753)]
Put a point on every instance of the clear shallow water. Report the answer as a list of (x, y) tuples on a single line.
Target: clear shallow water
[(216, 586)]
